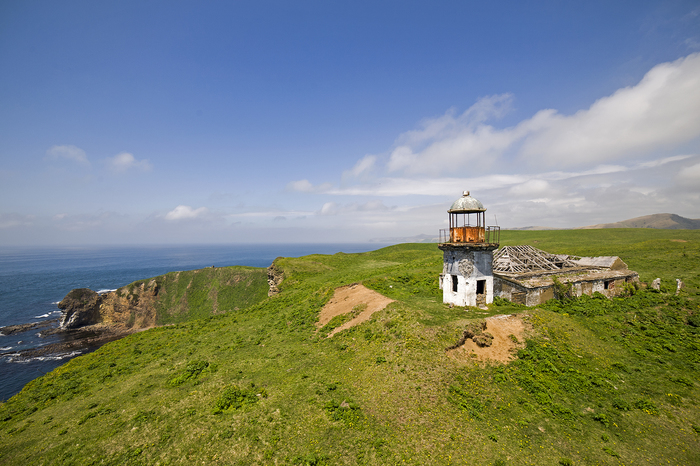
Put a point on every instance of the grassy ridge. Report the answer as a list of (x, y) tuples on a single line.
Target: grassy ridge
[(598, 382), (195, 294)]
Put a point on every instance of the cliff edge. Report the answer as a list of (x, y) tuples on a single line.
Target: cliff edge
[(170, 298)]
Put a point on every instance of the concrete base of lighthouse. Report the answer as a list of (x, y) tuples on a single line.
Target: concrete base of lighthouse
[(467, 274)]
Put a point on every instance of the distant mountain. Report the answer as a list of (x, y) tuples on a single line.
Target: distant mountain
[(659, 221)]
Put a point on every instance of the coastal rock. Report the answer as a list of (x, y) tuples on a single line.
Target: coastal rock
[(10, 329), (80, 307), (132, 306)]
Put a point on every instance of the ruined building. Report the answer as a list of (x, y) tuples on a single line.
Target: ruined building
[(472, 274), (527, 275)]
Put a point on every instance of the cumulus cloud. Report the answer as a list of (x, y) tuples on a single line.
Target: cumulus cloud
[(185, 212), (68, 152), (125, 161), (659, 113), (451, 142), (624, 156), (662, 111)]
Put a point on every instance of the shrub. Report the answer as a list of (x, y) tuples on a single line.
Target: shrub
[(682, 381), (234, 398), (646, 405), (694, 320), (192, 371), (348, 412), (562, 291), (621, 404), (566, 462)]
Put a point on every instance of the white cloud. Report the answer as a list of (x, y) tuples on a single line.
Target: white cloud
[(690, 176), (427, 186), (185, 212), (124, 161), (661, 112), (302, 186), (531, 188), (369, 207), (68, 152), (362, 167), (664, 161), (448, 143), (329, 208), (305, 186)]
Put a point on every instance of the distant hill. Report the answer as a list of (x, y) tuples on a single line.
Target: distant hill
[(660, 221)]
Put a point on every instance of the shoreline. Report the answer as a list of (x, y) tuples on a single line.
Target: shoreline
[(74, 340)]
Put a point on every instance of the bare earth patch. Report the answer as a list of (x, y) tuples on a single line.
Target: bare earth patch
[(502, 347), (679, 241), (347, 297)]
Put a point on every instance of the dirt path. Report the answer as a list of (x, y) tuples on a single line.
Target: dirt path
[(502, 347), (347, 297)]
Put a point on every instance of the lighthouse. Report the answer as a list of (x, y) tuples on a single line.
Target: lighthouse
[(468, 245)]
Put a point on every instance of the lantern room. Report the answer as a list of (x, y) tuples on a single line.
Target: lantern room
[(467, 221)]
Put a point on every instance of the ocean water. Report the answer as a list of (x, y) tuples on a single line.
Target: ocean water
[(33, 281)]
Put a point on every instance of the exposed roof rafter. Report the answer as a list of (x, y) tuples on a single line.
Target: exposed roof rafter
[(525, 258)]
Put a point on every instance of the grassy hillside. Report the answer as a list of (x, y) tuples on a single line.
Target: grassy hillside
[(597, 382), (184, 296)]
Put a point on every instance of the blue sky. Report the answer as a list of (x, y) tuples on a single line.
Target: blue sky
[(209, 122)]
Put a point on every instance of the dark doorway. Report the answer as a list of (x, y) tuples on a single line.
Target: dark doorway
[(454, 283), (480, 286)]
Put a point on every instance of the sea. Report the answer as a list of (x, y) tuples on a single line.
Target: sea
[(34, 280)]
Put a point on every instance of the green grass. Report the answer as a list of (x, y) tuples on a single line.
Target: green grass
[(598, 382), (195, 294)]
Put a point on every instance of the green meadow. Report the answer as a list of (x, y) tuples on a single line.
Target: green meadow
[(595, 382)]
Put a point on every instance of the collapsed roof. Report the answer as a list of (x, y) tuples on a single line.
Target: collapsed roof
[(525, 258)]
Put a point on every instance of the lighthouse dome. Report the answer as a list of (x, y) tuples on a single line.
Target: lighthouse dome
[(466, 204)]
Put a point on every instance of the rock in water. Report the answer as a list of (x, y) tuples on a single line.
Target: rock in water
[(80, 307)]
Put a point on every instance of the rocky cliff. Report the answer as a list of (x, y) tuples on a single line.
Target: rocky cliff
[(174, 297), (80, 307)]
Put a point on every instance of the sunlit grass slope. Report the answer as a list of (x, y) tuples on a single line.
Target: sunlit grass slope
[(188, 295), (599, 381)]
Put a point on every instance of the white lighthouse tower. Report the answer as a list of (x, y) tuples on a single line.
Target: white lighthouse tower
[(468, 245)]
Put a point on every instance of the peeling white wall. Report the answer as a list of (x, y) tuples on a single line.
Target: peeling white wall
[(468, 266)]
